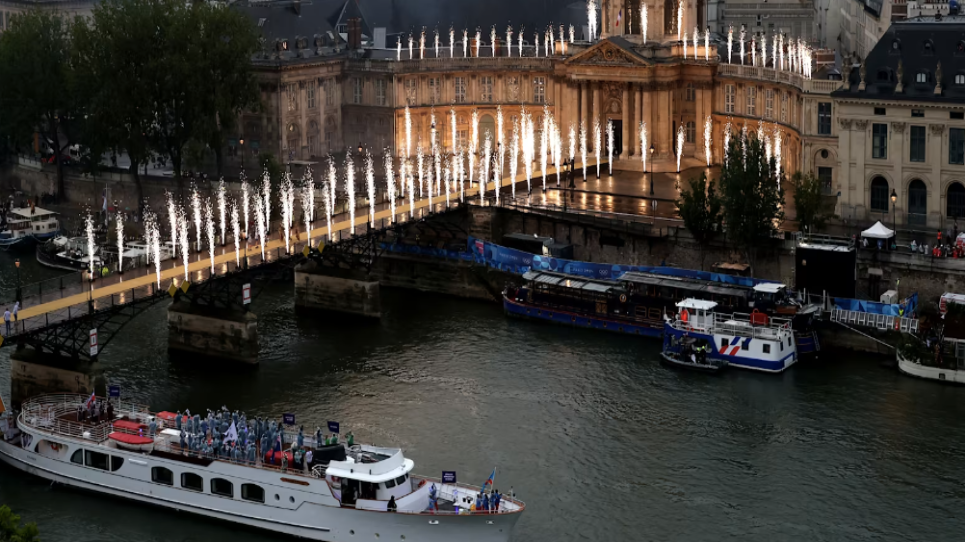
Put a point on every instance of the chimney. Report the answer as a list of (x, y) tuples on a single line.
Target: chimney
[(355, 33)]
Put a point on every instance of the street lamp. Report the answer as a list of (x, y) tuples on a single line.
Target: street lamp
[(894, 210), (241, 143), (651, 168), (19, 298)]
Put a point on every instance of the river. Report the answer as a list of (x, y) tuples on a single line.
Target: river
[(599, 439)]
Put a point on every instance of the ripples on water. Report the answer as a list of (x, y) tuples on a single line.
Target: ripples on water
[(599, 439)]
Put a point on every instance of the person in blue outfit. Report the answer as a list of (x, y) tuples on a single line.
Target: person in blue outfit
[(301, 436), (433, 497), (485, 502), (496, 499), (177, 421), (318, 437), (479, 502), (183, 442)]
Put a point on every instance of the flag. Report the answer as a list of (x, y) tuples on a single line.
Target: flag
[(2, 408), (619, 18), (90, 400), (488, 484), (231, 434)]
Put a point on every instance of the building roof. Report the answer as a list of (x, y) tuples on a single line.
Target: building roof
[(291, 19), (932, 47)]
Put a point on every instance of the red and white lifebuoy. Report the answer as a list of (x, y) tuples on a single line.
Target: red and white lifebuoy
[(54, 446), (422, 483)]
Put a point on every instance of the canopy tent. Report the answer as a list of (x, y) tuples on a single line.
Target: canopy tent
[(878, 231)]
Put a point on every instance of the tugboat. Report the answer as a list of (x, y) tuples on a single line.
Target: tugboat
[(348, 491), (748, 341)]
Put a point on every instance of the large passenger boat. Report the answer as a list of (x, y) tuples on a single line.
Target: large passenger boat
[(638, 303), (343, 497)]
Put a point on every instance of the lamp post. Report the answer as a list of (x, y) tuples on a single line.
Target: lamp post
[(651, 168), (894, 211), (19, 297)]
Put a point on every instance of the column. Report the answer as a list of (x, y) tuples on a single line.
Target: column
[(635, 129), (594, 116), (625, 112), (584, 103), (859, 142), (844, 170), (648, 104), (896, 155)]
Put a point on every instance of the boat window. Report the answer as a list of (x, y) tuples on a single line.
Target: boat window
[(400, 480), (723, 343), (767, 349), (78, 457), (96, 460), (161, 475), (745, 346), (251, 492), (192, 481), (116, 463), (220, 486), (389, 484), (789, 340)]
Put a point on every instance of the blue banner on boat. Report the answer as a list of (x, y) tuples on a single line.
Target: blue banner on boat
[(113, 391), (448, 477), (289, 419), (519, 262), (906, 309), (333, 427)]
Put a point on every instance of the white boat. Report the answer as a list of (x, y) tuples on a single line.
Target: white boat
[(43, 223), (68, 253), (45, 439), (15, 232), (946, 363), (748, 341)]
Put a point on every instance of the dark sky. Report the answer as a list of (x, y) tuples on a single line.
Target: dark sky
[(406, 15)]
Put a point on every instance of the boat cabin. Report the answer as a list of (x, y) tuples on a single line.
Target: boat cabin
[(43, 223), (370, 473), (696, 314), (673, 289)]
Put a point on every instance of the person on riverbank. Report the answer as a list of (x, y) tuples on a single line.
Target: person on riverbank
[(6, 319), (16, 310)]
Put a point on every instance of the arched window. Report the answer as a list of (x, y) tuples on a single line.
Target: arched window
[(917, 203), (960, 79), (921, 77), (955, 202), (879, 195)]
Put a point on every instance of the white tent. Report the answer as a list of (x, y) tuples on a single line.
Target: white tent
[(878, 231)]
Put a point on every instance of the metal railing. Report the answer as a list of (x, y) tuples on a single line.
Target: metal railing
[(876, 321), (45, 413)]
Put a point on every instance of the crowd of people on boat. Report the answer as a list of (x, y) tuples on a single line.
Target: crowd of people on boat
[(232, 436)]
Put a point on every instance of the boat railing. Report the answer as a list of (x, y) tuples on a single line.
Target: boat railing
[(743, 324), (56, 413), (289, 471)]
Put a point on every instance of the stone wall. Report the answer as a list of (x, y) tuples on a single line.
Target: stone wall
[(213, 333), (928, 276), (34, 373), (326, 289), (450, 277)]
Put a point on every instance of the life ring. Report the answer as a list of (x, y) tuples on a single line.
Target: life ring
[(54, 446), (623, 298), (422, 483)]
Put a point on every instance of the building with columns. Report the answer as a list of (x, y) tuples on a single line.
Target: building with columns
[(901, 127), (322, 98)]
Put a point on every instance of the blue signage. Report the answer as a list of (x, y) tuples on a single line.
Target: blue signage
[(113, 391), (448, 477), (289, 419), (333, 427)]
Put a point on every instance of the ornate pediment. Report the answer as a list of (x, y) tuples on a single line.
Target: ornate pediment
[(608, 53)]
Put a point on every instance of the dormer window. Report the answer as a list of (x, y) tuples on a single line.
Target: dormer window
[(960, 79), (284, 45), (884, 76), (896, 45), (921, 77), (928, 48)]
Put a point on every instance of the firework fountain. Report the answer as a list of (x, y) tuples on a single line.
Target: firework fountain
[(411, 195), (209, 227), (152, 237), (437, 43), (478, 41), (196, 212), (509, 41), (730, 43), (260, 222), (236, 233), (684, 43), (583, 147), (266, 204), (350, 189), (597, 131), (681, 136), (452, 42), (572, 141), (422, 44), (529, 150), (330, 195), (183, 237), (308, 203), (370, 185), (119, 231), (643, 145), (492, 40), (708, 126), (172, 221), (643, 21), (514, 156), (544, 141), (680, 19), (728, 129), (389, 182), (707, 44), (408, 133), (222, 209), (743, 37), (696, 36), (420, 162), (245, 201), (398, 49)]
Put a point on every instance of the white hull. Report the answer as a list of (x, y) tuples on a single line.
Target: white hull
[(939, 374)]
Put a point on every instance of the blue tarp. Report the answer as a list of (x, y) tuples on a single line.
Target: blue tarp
[(519, 262), (401, 248)]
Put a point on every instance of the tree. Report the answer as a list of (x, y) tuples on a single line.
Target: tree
[(751, 195), (700, 208), (39, 81), (11, 531), (809, 205)]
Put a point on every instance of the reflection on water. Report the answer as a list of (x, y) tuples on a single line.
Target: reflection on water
[(600, 440)]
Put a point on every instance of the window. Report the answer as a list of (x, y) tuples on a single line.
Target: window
[(729, 94), (462, 139), (512, 88), (921, 77), (78, 457), (251, 492), (960, 79), (389, 484), (918, 113), (292, 91), (917, 147), (879, 141), (955, 202), (824, 118), (401, 479), (539, 90), (956, 115), (356, 90), (313, 148), (691, 132), (192, 481), (784, 107), (380, 98), (880, 111), (769, 103), (879, 195), (956, 146), (751, 101), (767, 348), (161, 475), (724, 343), (825, 177), (435, 90), (116, 463), (220, 486), (691, 94), (411, 91), (486, 89), (96, 460), (310, 97), (329, 89), (460, 97)]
